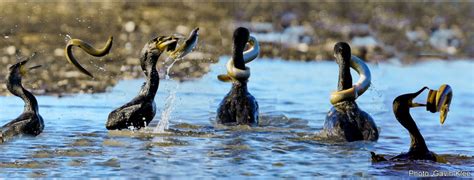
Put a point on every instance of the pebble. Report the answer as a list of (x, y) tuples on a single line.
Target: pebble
[(59, 52), (130, 26), (72, 74), (10, 50), (132, 61)]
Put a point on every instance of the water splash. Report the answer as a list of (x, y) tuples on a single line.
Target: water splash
[(163, 124), (168, 109), (168, 69), (67, 38)]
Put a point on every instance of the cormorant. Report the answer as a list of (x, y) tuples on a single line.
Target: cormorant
[(438, 101), (30, 121), (345, 121), (140, 111), (239, 107)]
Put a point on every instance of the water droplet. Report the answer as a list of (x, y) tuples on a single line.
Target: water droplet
[(67, 37), (163, 124)]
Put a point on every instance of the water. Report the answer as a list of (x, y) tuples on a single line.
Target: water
[(293, 99), (163, 123)]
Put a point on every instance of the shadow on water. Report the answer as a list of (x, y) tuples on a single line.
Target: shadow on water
[(293, 104)]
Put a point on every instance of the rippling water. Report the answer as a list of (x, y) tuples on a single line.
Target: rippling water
[(293, 99)]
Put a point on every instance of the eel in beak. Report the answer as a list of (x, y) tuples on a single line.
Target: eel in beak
[(249, 55), (437, 101)]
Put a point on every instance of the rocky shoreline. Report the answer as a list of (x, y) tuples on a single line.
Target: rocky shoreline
[(306, 31)]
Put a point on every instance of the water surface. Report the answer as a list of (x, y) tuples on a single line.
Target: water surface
[(293, 99)]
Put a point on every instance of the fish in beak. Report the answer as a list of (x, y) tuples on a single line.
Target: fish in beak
[(188, 45)]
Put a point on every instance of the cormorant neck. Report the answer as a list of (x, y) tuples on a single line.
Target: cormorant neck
[(239, 87), (31, 105), (402, 113), (148, 64), (238, 57), (345, 78)]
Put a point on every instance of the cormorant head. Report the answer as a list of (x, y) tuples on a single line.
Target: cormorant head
[(153, 49), (17, 71), (406, 100), (240, 39), (160, 44), (438, 101), (342, 53), (241, 36)]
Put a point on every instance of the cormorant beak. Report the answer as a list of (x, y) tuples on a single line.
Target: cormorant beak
[(414, 95), (24, 70), (35, 67), (168, 44)]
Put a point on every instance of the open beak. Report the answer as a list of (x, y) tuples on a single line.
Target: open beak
[(168, 45), (414, 95), (24, 70), (35, 67)]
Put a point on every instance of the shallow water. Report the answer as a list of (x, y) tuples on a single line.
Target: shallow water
[(293, 99)]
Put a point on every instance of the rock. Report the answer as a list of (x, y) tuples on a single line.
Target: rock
[(10, 50), (132, 61), (59, 52), (129, 26), (72, 74)]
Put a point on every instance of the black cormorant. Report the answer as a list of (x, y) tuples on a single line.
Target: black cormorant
[(140, 111), (438, 101), (30, 121), (239, 107), (345, 121)]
